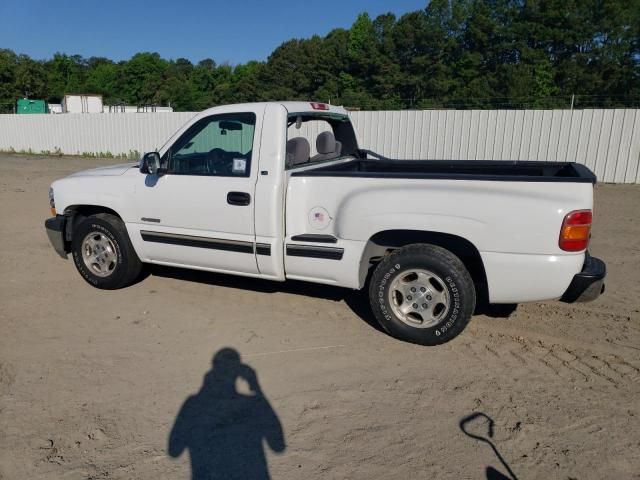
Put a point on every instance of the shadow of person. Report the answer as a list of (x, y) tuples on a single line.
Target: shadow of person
[(224, 429)]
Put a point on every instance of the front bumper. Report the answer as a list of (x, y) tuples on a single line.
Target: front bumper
[(589, 283), (55, 227)]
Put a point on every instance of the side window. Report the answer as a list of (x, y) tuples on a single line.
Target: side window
[(219, 145)]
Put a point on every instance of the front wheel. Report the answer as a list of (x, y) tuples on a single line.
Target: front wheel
[(423, 294), (103, 254)]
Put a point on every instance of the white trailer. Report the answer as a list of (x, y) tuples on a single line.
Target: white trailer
[(55, 108), (82, 103), (120, 109), (136, 109)]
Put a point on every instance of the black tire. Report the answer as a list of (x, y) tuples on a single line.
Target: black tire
[(125, 268), (396, 268)]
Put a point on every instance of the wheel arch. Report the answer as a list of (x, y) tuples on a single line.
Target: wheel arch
[(386, 241), (76, 213), (80, 222)]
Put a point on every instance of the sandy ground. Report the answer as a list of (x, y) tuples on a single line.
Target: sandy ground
[(92, 382)]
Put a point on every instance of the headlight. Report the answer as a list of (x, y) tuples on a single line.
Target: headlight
[(52, 202)]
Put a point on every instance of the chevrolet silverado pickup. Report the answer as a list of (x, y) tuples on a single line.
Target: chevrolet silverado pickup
[(241, 189)]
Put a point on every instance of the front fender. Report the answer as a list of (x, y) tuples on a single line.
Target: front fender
[(106, 192)]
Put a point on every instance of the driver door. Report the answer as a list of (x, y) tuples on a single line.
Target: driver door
[(199, 211)]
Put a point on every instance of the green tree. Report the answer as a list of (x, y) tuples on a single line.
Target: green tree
[(30, 78), (203, 79), (453, 53), (102, 78), (65, 75), (142, 77), (8, 90)]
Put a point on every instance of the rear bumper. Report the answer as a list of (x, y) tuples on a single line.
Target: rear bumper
[(589, 283), (55, 227)]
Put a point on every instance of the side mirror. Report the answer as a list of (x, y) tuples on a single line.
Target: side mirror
[(150, 163)]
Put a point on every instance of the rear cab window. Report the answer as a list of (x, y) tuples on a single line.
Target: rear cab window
[(325, 136)]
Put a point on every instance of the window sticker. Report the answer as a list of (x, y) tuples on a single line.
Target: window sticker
[(239, 165)]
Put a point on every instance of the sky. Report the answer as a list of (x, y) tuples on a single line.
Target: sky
[(233, 31)]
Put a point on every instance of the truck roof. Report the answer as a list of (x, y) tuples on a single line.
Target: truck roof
[(291, 107)]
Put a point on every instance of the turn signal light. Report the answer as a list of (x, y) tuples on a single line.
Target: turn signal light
[(576, 231)]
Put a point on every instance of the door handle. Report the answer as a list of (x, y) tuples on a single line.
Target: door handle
[(238, 198)]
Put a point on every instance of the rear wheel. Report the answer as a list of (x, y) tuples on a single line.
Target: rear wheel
[(423, 294), (103, 254)]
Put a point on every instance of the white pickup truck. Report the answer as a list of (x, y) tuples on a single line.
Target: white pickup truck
[(240, 190)]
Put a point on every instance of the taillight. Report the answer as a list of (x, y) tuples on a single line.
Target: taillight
[(319, 106), (575, 231)]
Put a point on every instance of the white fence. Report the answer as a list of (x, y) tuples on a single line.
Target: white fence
[(88, 133), (607, 141)]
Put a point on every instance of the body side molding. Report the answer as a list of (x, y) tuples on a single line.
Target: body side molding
[(199, 242), (329, 253)]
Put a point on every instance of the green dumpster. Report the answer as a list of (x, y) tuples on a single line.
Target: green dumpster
[(26, 105)]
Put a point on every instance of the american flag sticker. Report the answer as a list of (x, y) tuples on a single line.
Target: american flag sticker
[(319, 218)]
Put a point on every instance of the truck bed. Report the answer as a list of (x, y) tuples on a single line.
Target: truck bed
[(487, 170)]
